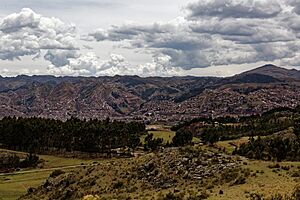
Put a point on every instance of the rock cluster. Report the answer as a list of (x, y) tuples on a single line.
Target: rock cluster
[(164, 169)]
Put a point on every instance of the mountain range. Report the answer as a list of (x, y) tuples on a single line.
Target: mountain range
[(163, 99)]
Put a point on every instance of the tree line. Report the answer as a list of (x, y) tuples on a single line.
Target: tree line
[(43, 135), (227, 128), (273, 147)]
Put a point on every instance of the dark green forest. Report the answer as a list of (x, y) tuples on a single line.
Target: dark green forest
[(272, 147), (228, 128), (274, 135), (45, 135)]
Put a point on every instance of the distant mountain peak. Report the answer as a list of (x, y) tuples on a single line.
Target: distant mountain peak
[(266, 67), (275, 71), (269, 66)]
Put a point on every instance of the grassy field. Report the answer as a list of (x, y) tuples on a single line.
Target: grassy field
[(164, 132), (229, 145), (265, 181), (262, 179), (166, 135), (13, 186)]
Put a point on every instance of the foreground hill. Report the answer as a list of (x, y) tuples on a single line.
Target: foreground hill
[(153, 98), (187, 174)]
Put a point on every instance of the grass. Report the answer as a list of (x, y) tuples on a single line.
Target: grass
[(54, 161), (166, 135), (164, 132), (13, 186), (229, 145), (265, 182)]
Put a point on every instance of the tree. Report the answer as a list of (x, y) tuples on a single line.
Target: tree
[(182, 137), (210, 137), (152, 143), (297, 128)]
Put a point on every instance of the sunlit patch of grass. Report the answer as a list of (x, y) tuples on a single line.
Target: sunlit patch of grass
[(13, 186), (262, 180), (167, 136), (230, 145)]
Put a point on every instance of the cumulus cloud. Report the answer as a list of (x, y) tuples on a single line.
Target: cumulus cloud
[(28, 33), (90, 65), (83, 65), (217, 32), (211, 33), (60, 57), (160, 66)]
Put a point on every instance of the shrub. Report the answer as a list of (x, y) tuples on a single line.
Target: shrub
[(295, 174), (256, 196), (152, 143), (201, 196), (273, 166), (286, 168), (171, 196), (229, 175), (240, 180), (296, 193), (56, 173), (118, 185)]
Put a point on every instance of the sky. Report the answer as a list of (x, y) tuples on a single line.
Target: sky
[(147, 38)]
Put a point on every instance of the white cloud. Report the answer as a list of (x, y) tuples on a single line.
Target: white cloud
[(89, 65), (28, 33), (60, 57), (83, 65), (22, 71), (212, 33)]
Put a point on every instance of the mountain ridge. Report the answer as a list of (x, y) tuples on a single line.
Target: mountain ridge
[(162, 99)]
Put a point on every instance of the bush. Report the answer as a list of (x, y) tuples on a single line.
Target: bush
[(118, 185), (256, 196), (229, 175), (201, 196), (56, 173), (171, 196), (296, 193), (240, 180), (295, 174), (152, 143), (273, 166)]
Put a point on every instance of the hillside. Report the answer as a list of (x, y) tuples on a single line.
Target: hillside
[(251, 157), (154, 98)]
